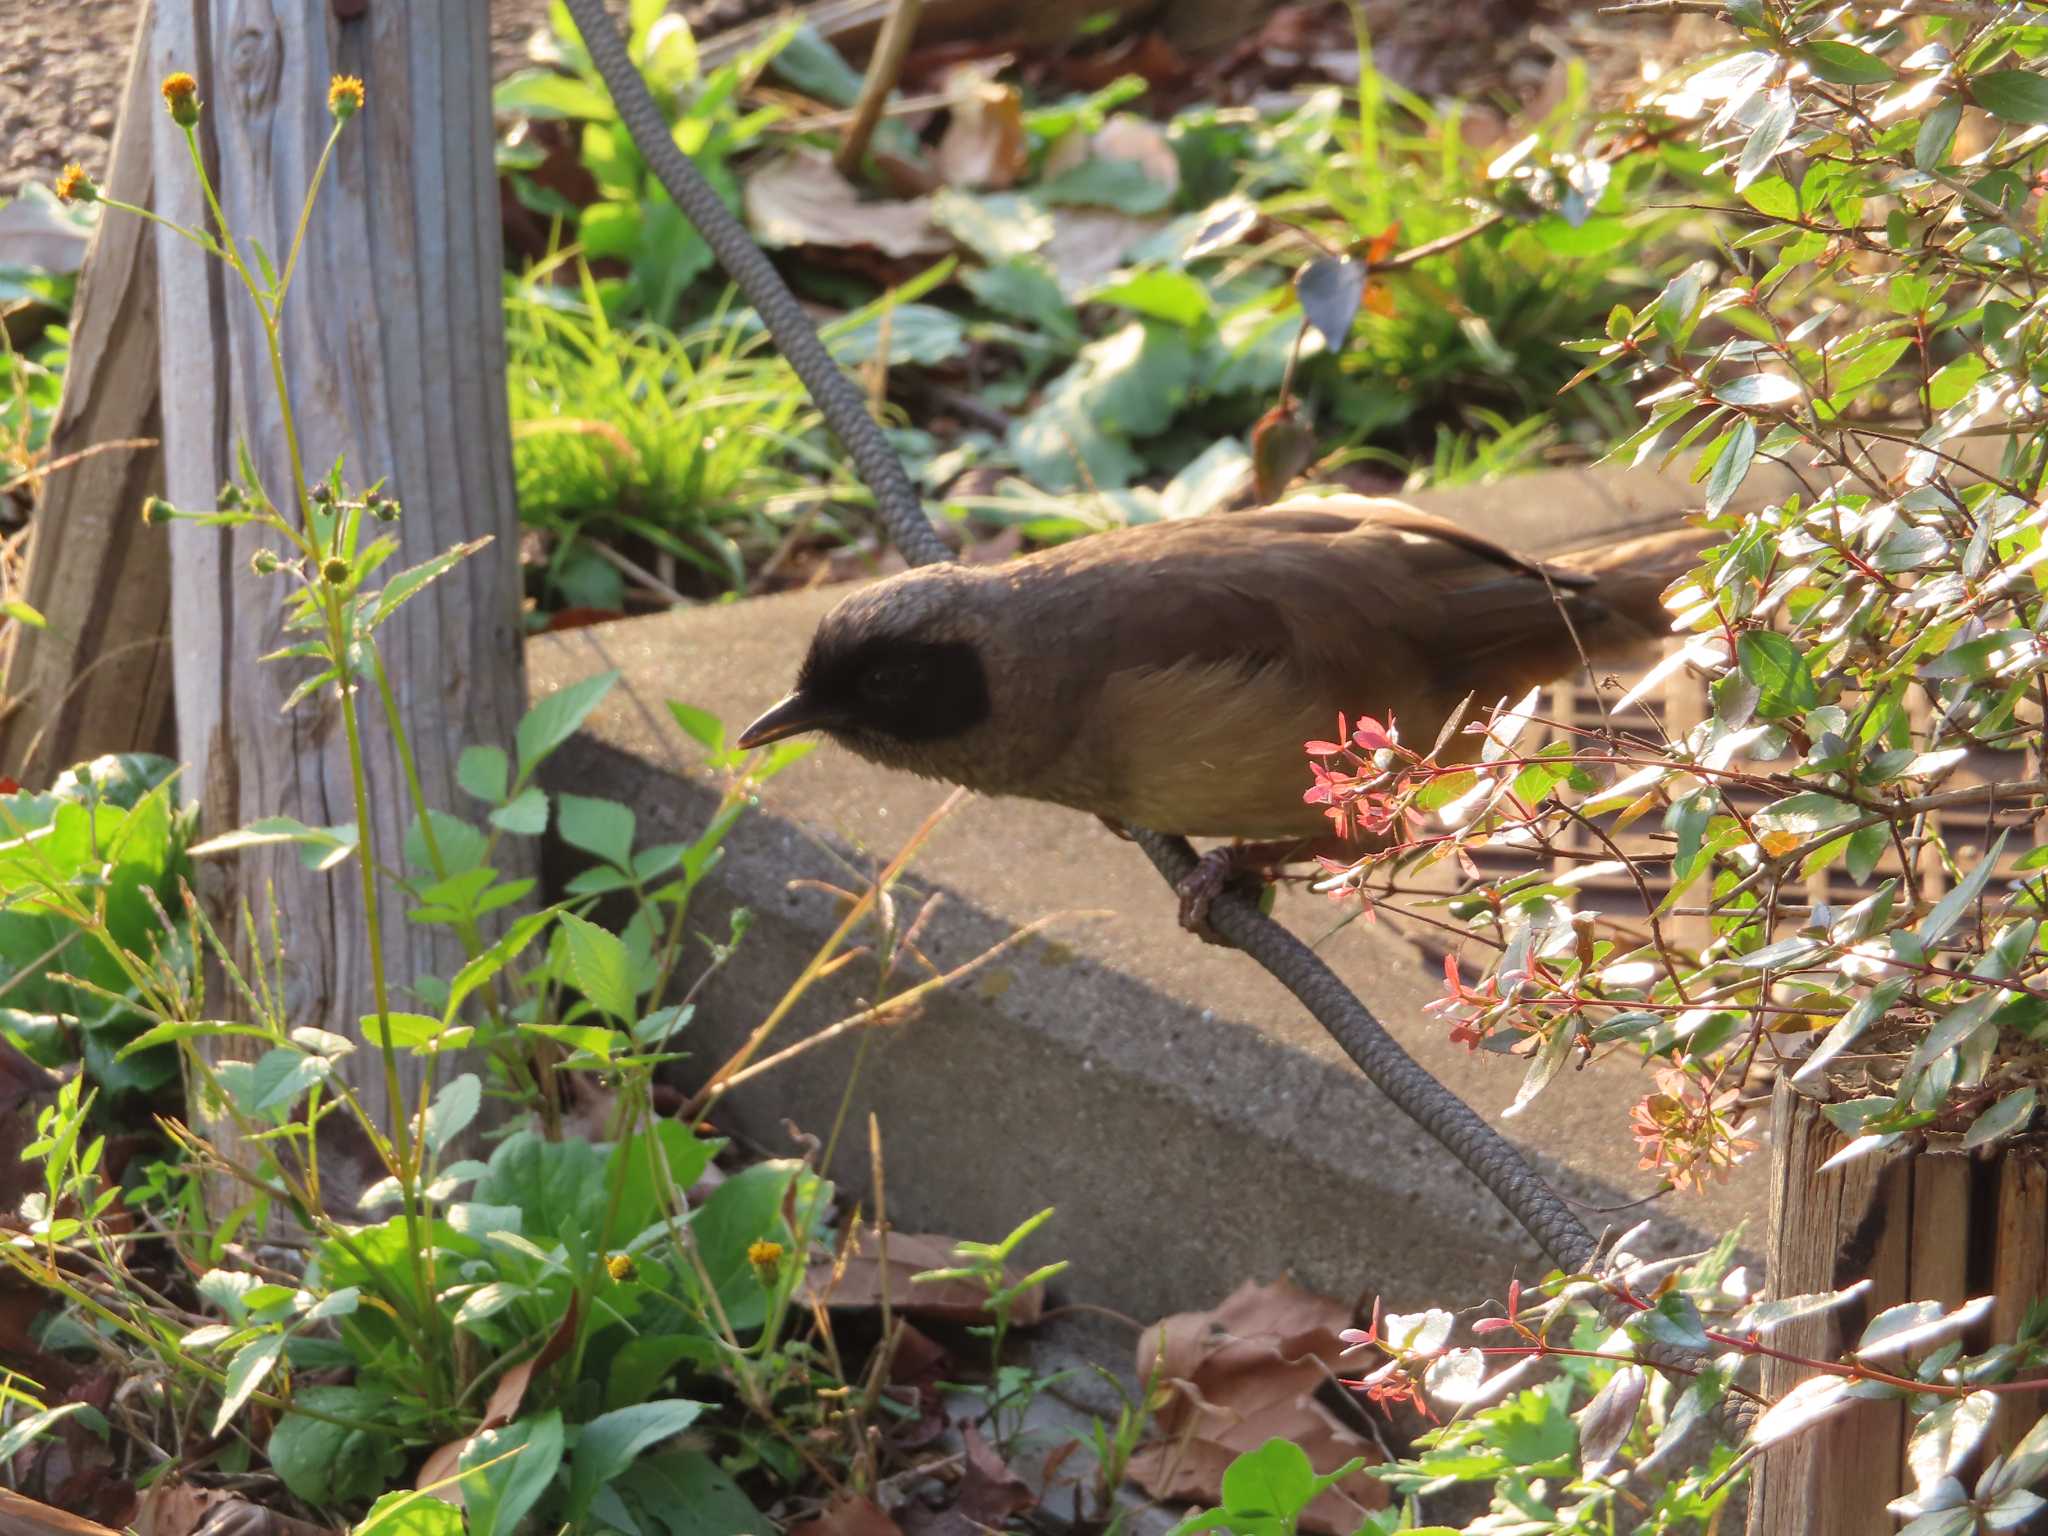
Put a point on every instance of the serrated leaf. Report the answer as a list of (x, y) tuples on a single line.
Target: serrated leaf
[(555, 718), (484, 772), (600, 967), (245, 1373)]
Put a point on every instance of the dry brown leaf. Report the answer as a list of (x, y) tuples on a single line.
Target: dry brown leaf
[(1088, 244), (1244, 1374), (1121, 138), (984, 143), (801, 200), (183, 1510), (21, 1516), (859, 1287), (990, 1493), (501, 1409), (848, 1515)]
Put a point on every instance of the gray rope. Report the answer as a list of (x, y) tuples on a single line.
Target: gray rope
[(896, 499), (1490, 1157)]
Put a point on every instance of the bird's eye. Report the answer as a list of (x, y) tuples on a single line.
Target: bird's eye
[(893, 680)]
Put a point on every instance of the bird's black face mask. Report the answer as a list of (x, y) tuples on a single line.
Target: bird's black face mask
[(902, 689)]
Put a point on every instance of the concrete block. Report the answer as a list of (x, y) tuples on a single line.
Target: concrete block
[(1191, 1123)]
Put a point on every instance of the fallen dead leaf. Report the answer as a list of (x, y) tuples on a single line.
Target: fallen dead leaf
[(1121, 138), (183, 1510), (501, 1409), (801, 200), (21, 1516), (859, 1285), (984, 143), (1244, 1374), (1088, 244), (990, 1493), (848, 1515)]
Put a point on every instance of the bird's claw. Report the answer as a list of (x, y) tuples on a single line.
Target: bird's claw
[(1199, 888)]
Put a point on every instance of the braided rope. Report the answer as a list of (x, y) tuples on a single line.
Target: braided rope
[(1489, 1156)]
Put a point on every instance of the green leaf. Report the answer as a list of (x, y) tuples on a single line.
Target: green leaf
[(2008, 1115), (245, 1373), (410, 1514), (483, 967), (602, 827), (2016, 95), (1783, 681), (525, 814), (1773, 127), (611, 1442), (600, 967), (546, 93), (1845, 64), (325, 1463), (686, 1493), (19, 611), (484, 772), (454, 1107), (409, 584), (1158, 294), (1125, 185), (1952, 906), (499, 1496), (1937, 133), (1772, 195), (1024, 288), (1276, 1479), (555, 718), (1731, 466), (700, 725), (1866, 847)]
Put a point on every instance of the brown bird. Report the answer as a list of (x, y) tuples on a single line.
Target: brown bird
[(1167, 675)]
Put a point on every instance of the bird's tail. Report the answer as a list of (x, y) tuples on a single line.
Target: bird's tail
[(1631, 577)]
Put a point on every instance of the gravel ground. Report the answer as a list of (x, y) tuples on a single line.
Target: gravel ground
[(61, 67)]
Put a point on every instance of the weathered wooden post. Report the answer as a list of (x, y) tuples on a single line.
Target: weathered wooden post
[(1935, 1224), (395, 361), (98, 679)]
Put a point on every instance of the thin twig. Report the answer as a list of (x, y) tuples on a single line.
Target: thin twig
[(897, 31)]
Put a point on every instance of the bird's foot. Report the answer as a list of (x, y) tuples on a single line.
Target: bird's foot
[(1200, 887)]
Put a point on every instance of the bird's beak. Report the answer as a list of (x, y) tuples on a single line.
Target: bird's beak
[(792, 717)]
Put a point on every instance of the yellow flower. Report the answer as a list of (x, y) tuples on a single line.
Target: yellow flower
[(181, 95), (621, 1267), (766, 1257), (74, 186), (344, 96)]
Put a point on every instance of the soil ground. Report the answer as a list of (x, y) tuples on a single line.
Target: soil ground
[(62, 63)]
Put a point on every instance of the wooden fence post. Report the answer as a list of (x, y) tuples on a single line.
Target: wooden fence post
[(98, 679), (394, 356), (1935, 1224)]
